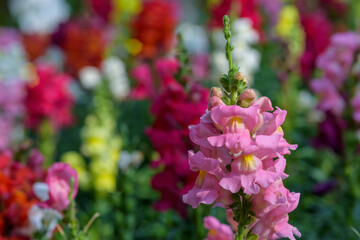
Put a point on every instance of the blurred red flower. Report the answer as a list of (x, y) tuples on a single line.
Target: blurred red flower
[(102, 8), (154, 27), (35, 45), (175, 109), (16, 195), (49, 98), (318, 31), (240, 8), (83, 43)]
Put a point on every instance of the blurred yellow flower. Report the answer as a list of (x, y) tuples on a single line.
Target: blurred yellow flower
[(289, 29), (133, 46), (104, 183), (288, 18)]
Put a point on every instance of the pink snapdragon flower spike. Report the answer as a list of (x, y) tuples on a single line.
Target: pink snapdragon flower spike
[(217, 230), (58, 179), (240, 161), (335, 63)]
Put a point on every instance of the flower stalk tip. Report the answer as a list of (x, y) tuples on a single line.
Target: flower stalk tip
[(234, 83)]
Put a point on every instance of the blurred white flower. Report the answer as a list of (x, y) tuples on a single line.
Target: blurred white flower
[(115, 72), (43, 220), (130, 159), (39, 16), (90, 77), (307, 103), (41, 191), (194, 37), (13, 63), (247, 58)]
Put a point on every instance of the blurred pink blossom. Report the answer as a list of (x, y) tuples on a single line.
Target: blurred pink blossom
[(58, 179)]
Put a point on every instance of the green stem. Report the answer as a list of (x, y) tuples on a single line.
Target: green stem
[(199, 224), (229, 54), (239, 236)]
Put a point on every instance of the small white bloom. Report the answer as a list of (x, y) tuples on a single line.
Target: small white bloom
[(13, 63), (130, 159), (43, 220), (306, 100), (307, 103), (115, 72), (243, 32), (194, 37), (41, 191), (39, 16), (90, 77)]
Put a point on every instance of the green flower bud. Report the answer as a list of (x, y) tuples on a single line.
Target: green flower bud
[(225, 82)]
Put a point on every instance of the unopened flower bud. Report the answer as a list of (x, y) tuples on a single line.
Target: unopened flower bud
[(241, 77), (215, 91), (215, 101), (246, 97), (225, 82)]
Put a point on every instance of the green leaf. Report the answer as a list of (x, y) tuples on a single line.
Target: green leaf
[(252, 237)]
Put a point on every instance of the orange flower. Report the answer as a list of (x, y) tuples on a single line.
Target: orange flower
[(83, 44), (154, 27), (35, 45)]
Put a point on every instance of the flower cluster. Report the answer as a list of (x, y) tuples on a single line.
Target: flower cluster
[(83, 43), (13, 63), (154, 27), (33, 198), (102, 8), (241, 149), (114, 70), (39, 16), (290, 31), (13, 73), (101, 143), (317, 30), (146, 85), (49, 98), (241, 158), (337, 64), (11, 110), (175, 109)]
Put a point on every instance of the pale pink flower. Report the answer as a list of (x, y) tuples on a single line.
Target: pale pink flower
[(338, 57), (58, 179), (241, 149), (247, 173), (217, 230), (274, 225), (206, 190), (330, 98), (272, 197)]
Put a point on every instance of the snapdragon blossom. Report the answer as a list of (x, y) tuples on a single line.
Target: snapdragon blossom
[(240, 162), (242, 149)]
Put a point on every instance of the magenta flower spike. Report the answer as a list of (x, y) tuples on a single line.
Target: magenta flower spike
[(241, 161)]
